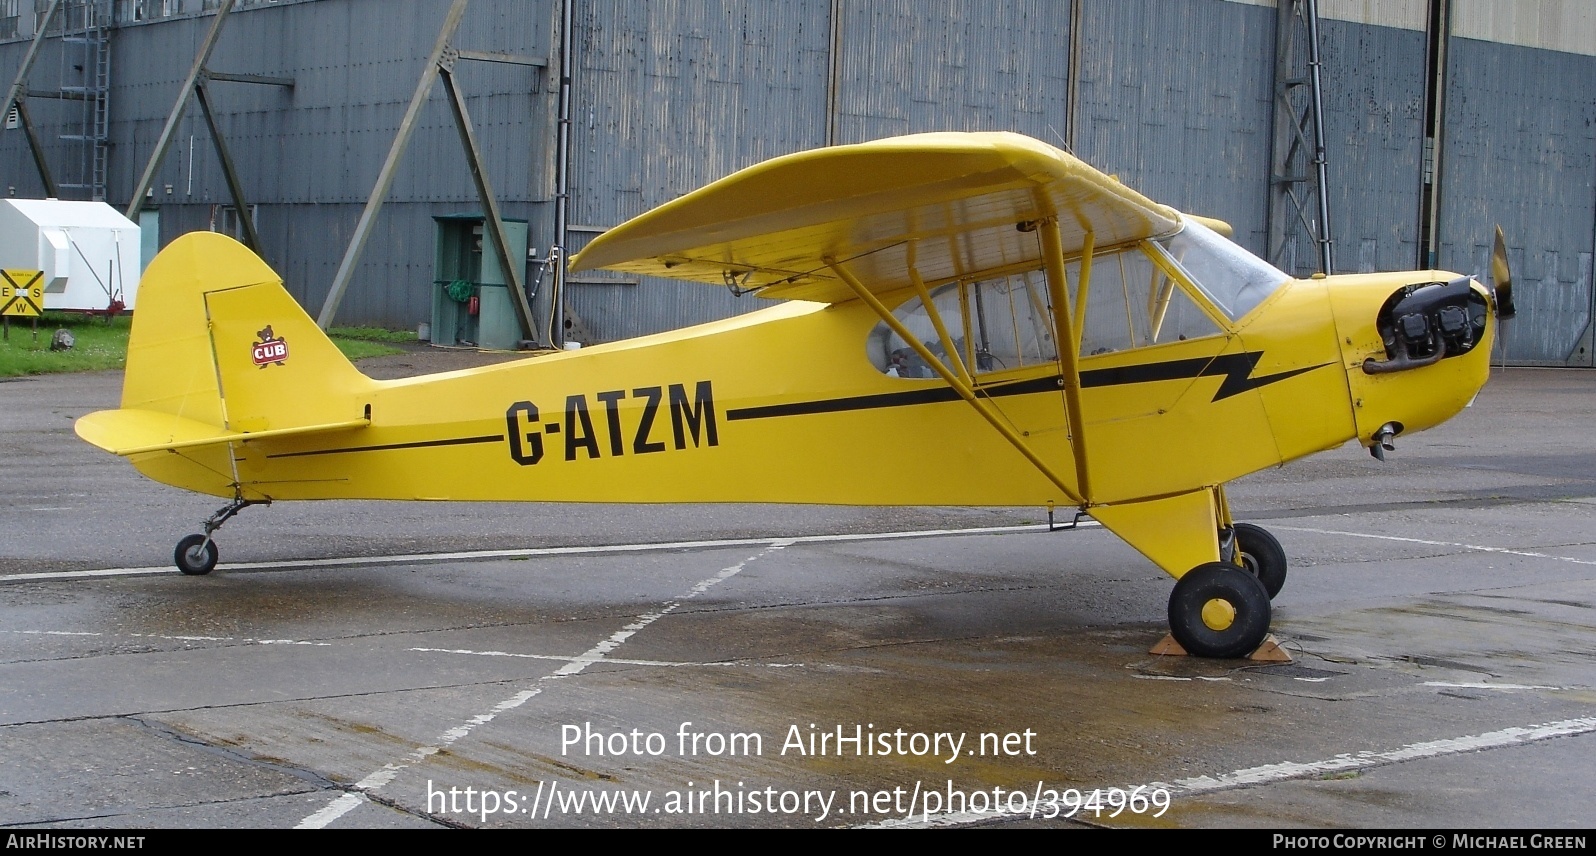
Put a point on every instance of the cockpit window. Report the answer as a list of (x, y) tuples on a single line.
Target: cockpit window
[(1234, 279), (995, 324), (1137, 296), (1132, 303)]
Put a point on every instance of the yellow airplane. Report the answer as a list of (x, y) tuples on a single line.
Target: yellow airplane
[(964, 319)]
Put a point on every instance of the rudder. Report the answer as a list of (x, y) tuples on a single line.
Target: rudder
[(217, 339), (220, 352)]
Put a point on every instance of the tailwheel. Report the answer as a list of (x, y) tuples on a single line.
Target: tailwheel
[(195, 555), (1261, 555), (1219, 610)]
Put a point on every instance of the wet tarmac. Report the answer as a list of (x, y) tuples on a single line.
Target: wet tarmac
[(357, 664)]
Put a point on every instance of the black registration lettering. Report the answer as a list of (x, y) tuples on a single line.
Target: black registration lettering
[(520, 425), (693, 419), (578, 428), (640, 443), (698, 416), (612, 419)]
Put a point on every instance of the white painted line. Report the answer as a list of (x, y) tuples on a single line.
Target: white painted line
[(1479, 685), (1515, 736), (566, 658), (167, 638), (535, 552), (1175, 678), (1289, 770), (332, 811), (1476, 547), (72, 575), (347, 802)]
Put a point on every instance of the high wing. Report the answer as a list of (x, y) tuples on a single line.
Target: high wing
[(941, 205)]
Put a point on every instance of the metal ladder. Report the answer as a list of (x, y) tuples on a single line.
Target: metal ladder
[(86, 25)]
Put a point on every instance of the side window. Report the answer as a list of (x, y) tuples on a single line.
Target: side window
[(995, 324), (1132, 303)]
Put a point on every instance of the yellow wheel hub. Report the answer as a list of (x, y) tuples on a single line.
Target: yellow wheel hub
[(1218, 614)]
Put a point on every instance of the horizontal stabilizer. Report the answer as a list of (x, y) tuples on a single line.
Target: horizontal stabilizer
[(133, 432)]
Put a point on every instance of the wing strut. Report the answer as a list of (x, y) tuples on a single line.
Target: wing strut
[(1081, 288), (1068, 340), (954, 380), (942, 331)]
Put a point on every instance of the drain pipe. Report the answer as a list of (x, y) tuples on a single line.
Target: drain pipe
[(1326, 262), (562, 180)]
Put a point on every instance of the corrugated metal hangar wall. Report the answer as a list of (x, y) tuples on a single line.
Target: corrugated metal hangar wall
[(1175, 96)]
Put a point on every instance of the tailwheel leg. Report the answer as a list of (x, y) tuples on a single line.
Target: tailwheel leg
[(196, 554), (1219, 610)]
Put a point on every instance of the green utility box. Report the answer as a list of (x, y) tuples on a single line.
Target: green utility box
[(471, 301)]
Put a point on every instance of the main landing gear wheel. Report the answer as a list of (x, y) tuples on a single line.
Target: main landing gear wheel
[(1261, 555), (1219, 610), (195, 555)]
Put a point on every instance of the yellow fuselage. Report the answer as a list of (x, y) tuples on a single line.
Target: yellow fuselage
[(782, 405)]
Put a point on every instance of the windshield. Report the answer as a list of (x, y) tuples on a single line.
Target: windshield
[(1234, 279)]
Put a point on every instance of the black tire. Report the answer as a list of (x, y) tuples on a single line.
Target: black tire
[(1229, 586), (195, 556), (1261, 555)]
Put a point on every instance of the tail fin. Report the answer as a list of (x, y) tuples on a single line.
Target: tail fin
[(220, 352)]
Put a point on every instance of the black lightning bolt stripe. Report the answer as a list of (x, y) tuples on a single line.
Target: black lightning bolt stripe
[(421, 444), (1235, 368), (935, 395)]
